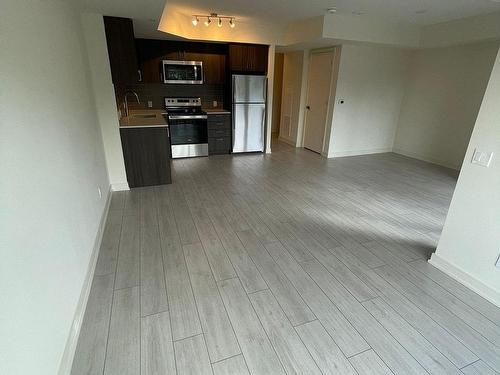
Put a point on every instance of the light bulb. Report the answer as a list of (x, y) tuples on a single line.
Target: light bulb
[(219, 23), (231, 23), (195, 21), (207, 22)]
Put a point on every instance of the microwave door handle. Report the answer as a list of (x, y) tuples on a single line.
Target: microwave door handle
[(196, 73)]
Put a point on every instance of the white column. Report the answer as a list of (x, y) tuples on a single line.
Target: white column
[(470, 242)]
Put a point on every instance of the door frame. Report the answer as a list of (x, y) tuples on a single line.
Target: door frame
[(331, 97)]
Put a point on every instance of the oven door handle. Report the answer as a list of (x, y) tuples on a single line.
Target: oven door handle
[(187, 117)]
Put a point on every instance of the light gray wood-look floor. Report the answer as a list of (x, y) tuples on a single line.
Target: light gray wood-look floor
[(284, 264)]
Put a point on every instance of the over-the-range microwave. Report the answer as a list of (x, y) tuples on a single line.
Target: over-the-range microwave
[(183, 72)]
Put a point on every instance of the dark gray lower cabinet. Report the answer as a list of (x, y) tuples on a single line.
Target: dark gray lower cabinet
[(220, 145), (147, 156), (219, 134)]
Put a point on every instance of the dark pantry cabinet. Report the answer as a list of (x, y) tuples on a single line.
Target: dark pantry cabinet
[(147, 156), (121, 50)]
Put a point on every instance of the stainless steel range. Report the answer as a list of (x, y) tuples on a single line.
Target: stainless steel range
[(188, 127)]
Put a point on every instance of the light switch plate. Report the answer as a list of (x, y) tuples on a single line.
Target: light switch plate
[(482, 158)]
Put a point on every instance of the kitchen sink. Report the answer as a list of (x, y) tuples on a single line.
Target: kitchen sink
[(150, 115)]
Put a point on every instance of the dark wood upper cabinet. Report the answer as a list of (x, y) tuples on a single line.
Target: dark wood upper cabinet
[(248, 58), (152, 52), (121, 50), (214, 68)]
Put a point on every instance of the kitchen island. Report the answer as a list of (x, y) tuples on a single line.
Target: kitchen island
[(146, 148)]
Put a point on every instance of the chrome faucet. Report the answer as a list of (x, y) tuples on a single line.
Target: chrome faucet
[(126, 102)]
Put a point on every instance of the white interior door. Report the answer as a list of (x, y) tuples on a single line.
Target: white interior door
[(318, 93)]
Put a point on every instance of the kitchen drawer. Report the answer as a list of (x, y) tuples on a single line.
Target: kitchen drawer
[(219, 125), (219, 145), (219, 116), (219, 120), (219, 131)]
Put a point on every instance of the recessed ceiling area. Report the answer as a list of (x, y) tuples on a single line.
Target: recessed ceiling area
[(146, 13), (421, 12)]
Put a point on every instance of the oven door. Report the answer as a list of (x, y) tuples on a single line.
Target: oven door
[(188, 135), (183, 72)]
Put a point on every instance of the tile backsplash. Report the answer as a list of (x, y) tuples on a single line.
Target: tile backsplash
[(155, 92)]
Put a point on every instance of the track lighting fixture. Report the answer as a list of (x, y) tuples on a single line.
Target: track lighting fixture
[(208, 19)]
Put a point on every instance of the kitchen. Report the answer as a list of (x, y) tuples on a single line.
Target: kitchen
[(179, 99)]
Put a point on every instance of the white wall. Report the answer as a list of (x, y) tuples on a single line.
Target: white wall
[(371, 80), (52, 162), (442, 99), (102, 85), (277, 91), (270, 96), (470, 242), (292, 91)]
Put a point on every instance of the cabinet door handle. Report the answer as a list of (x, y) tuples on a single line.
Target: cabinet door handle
[(168, 132), (140, 75)]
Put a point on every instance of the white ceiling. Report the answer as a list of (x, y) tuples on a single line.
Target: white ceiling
[(398, 10), (420, 12)]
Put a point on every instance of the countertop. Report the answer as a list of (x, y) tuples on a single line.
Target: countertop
[(217, 111), (136, 119)]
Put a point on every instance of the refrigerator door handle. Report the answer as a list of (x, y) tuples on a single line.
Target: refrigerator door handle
[(264, 90), (232, 87), (263, 131)]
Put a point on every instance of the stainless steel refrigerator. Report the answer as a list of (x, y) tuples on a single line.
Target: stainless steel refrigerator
[(249, 113)]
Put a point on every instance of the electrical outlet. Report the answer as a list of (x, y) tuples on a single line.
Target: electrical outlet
[(150, 104), (214, 103), (482, 158), (497, 264), (99, 192)]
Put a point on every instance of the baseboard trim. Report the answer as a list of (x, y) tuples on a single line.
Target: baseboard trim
[(122, 186), (342, 154), (426, 159), (71, 343), (466, 279)]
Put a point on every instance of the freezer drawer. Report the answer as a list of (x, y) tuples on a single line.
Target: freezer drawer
[(248, 127)]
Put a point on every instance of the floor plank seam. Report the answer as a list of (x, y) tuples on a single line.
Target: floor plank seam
[(364, 351)]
